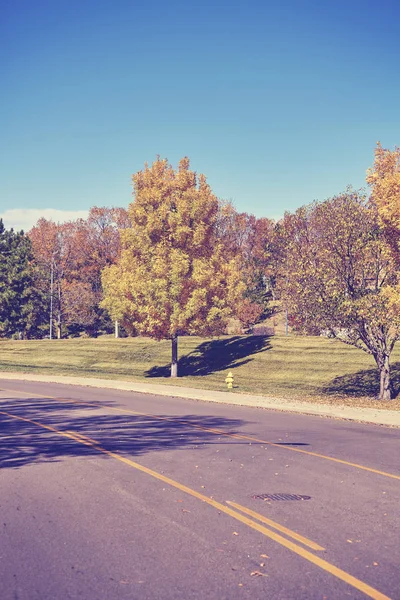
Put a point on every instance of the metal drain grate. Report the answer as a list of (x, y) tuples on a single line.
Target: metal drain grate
[(281, 497)]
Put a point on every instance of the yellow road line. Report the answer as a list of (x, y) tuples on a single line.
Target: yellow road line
[(323, 564), (83, 437), (281, 528), (215, 431)]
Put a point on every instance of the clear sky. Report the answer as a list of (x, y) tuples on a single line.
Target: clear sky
[(277, 103)]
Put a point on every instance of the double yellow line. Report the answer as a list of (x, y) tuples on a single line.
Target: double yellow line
[(240, 514), (219, 432)]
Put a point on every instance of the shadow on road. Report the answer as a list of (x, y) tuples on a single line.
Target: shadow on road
[(23, 442), (363, 383), (215, 355), (290, 444)]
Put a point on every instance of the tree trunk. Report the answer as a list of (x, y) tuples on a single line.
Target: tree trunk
[(51, 299), (59, 318), (174, 362), (59, 326), (385, 391)]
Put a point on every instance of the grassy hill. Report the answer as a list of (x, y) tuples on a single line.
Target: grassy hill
[(297, 367)]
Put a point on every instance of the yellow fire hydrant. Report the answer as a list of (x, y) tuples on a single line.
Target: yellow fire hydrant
[(229, 380)]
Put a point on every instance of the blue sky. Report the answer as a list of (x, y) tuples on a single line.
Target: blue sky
[(277, 103)]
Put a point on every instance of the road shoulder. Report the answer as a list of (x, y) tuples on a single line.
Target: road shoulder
[(365, 415)]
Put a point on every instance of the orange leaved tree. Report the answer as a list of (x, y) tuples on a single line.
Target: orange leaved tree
[(249, 239), (172, 276), (53, 251)]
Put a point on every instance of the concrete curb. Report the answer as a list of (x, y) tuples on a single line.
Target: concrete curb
[(365, 415)]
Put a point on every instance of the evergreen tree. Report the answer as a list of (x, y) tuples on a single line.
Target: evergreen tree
[(20, 302)]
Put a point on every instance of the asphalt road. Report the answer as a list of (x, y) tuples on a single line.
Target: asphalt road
[(108, 495)]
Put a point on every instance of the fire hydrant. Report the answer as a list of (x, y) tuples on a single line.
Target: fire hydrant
[(229, 380)]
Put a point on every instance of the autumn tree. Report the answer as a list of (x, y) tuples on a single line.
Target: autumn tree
[(53, 247), (384, 179), (338, 275), (79, 305), (249, 239), (71, 257), (96, 241), (172, 276)]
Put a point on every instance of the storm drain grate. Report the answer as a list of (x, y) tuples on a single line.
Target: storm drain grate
[(281, 497)]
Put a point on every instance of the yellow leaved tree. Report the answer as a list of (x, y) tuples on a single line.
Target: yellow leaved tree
[(384, 179), (172, 276)]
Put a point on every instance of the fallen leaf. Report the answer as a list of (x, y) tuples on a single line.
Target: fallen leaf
[(375, 564), (350, 541), (257, 574), (184, 510), (264, 556), (235, 533)]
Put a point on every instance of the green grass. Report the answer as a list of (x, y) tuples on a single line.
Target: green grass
[(304, 368)]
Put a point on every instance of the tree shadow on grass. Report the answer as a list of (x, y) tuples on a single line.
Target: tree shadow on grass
[(24, 440), (363, 383), (215, 355)]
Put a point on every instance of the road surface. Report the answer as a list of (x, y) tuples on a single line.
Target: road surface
[(109, 495)]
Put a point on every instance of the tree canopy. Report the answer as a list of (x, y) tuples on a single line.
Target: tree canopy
[(338, 275), (71, 257), (172, 276), (384, 180), (249, 240)]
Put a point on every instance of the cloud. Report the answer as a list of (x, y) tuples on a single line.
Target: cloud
[(26, 218)]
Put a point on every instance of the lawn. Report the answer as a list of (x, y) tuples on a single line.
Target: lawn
[(306, 368)]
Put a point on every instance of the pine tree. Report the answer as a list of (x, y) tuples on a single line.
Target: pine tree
[(20, 302)]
